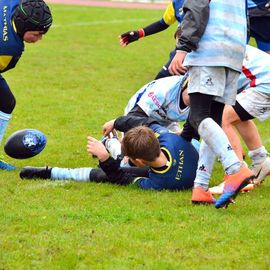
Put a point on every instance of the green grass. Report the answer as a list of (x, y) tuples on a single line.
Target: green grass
[(67, 86)]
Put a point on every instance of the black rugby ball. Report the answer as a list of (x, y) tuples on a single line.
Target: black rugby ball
[(25, 143)]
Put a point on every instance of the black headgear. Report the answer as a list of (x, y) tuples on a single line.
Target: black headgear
[(32, 15)]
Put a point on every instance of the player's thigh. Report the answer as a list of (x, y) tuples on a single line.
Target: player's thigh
[(229, 116)]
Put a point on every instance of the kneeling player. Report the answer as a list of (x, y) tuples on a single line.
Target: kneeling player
[(171, 160)]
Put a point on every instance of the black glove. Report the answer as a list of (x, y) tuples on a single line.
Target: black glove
[(131, 36)]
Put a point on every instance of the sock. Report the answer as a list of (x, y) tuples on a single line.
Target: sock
[(258, 155), (216, 139), (205, 166), (78, 174), (114, 147), (4, 119)]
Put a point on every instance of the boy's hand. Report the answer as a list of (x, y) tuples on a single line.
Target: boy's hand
[(108, 127), (96, 148), (176, 67), (128, 37)]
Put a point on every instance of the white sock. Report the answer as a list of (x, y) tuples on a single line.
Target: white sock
[(78, 174), (114, 147), (4, 119), (258, 155), (217, 140), (205, 166)]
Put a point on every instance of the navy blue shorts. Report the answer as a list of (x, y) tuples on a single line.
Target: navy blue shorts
[(259, 19)]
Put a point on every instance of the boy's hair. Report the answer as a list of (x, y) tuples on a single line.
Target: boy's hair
[(141, 142)]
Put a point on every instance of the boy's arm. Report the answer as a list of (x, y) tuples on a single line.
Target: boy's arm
[(111, 167), (156, 27), (134, 35), (193, 25), (192, 28), (136, 117)]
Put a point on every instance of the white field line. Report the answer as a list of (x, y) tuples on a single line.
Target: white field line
[(98, 23)]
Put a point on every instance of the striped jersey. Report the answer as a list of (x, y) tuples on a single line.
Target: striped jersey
[(160, 100), (223, 42)]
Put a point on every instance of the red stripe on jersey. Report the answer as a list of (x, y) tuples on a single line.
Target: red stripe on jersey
[(250, 76)]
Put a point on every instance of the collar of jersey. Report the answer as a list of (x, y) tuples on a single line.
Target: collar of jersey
[(168, 164)]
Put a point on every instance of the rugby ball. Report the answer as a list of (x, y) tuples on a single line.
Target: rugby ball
[(25, 143)]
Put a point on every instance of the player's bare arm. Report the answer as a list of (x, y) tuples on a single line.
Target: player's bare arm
[(108, 127)]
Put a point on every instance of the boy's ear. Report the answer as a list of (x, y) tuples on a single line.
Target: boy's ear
[(139, 162)]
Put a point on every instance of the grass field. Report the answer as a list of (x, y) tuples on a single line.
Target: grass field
[(67, 86)]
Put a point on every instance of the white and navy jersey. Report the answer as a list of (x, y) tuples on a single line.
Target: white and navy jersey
[(255, 70), (160, 100), (224, 39)]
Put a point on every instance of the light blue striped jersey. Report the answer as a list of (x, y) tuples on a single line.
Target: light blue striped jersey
[(224, 40), (255, 70), (160, 99)]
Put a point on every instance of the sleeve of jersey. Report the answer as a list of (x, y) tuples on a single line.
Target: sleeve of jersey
[(155, 28), (4, 61), (114, 172), (193, 25), (168, 16), (159, 129), (136, 117)]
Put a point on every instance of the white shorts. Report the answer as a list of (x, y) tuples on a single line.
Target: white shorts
[(255, 102), (220, 82)]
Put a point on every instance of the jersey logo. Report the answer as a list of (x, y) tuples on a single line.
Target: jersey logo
[(154, 99), (5, 28)]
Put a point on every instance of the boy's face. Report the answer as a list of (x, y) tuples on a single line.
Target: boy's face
[(32, 36)]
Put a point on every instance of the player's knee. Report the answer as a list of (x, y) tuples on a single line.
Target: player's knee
[(97, 175)]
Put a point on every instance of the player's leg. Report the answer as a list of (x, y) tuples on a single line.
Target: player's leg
[(214, 81), (56, 173), (229, 122), (258, 154), (200, 193), (254, 103), (164, 72), (7, 104), (76, 174)]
